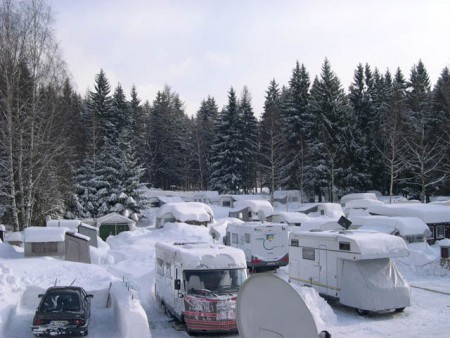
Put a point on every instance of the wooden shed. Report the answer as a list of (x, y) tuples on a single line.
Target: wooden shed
[(44, 241), (113, 224)]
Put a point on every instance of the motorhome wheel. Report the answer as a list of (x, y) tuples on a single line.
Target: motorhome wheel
[(362, 312)]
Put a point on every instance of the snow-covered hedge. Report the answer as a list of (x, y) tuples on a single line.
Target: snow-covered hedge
[(129, 313)]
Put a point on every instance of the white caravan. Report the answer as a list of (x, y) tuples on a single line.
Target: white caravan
[(198, 284), (354, 267), (265, 244)]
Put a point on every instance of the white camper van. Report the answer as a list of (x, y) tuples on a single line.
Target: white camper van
[(265, 244), (198, 284), (354, 267)]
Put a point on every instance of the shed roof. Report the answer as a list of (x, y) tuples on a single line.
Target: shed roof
[(114, 218), (44, 234)]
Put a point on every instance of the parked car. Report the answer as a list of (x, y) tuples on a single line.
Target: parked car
[(63, 310)]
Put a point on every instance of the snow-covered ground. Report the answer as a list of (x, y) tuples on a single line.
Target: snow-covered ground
[(128, 260)]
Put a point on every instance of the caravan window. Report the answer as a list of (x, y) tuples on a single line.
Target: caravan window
[(247, 238), (309, 253), (345, 246), (167, 271), (160, 266), (234, 238), (439, 231)]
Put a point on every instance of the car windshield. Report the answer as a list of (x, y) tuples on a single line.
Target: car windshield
[(57, 302), (215, 281)]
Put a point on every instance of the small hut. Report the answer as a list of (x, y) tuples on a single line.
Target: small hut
[(113, 224)]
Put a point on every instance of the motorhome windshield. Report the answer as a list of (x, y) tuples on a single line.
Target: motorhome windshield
[(214, 281)]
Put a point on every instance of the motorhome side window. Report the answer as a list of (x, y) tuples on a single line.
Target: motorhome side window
[(234, 238), (160, 267), (345, 246), (440, 231), (294, 242), (167, 271), (247, 238), (309, 253)]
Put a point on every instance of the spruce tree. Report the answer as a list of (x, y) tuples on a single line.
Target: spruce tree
[(294, 112), (227, 156), (249, 141), (272, 140), (328, 108)]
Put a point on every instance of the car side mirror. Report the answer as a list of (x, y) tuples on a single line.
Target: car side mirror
[(177, 284), (89, 296)]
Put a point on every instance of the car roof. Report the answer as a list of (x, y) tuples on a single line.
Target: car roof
[(65, 288)]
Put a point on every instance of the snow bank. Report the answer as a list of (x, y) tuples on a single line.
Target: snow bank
[(321, 311), (128, 312)]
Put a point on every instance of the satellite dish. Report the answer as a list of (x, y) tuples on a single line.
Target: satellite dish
[(268, 307)]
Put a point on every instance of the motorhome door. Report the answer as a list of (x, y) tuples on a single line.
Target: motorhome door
[(323, 280)]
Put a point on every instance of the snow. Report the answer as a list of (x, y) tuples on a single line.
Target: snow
[(127, 262), (187, 211), (405, 225), (429, 213), (44, 234), (357, 196), (254, 205)]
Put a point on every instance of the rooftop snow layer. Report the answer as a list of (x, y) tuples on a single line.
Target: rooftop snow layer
[(187, 211), (429, 213), (44, 234)]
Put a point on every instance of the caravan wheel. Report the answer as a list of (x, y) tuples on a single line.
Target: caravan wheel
[(400, 309), (362, 312)]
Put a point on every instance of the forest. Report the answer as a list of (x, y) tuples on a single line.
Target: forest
[(63, 154)]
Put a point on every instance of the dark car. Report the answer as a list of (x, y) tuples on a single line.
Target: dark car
[(63, 311)]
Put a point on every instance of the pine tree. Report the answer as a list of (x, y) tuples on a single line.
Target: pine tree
[(294, 112), (272, 140), (227, 156), (204, 133), (328, 107), (249, 141)]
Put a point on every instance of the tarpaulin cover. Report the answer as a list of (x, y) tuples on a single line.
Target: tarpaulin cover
[(373, 285)]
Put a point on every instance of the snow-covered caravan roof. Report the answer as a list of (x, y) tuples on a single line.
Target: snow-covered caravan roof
[(256, 225), (429, 213), (319, 223), (204, 256), (405, 225), (44, 234), (357, 196), (366, 244), (254, 205), (290, 216), (68, 223), (187, 211), (362, 203), (330, 210)]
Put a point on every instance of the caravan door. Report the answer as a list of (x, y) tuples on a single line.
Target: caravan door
[(323, 280)]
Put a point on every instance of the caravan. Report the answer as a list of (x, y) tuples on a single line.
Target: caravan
[(265, 244), (354, 267), (198, 284)]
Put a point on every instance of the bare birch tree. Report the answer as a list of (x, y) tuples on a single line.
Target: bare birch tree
[(29, 66)]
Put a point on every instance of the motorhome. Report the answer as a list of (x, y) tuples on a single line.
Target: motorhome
[(198, 284), (353, 267), (265, 244)]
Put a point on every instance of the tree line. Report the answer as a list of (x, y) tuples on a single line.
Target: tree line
[(65, 155)]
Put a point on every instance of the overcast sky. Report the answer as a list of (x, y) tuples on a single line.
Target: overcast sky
[(204, 47)]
